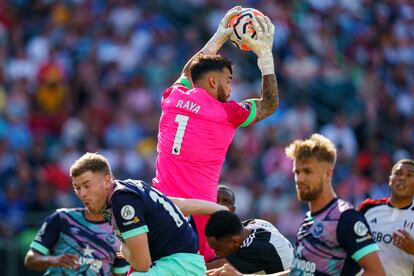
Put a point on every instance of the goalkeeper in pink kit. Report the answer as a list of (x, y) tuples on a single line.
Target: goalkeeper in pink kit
[(198, 122)]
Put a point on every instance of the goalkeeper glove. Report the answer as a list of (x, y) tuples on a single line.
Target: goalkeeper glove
[(262, 46), (222, 34)]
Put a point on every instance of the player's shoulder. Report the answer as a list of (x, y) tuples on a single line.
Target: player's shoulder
[(371, 203), (69, 210), (176, 87), (65, 214), (261, 232), (235, 104), (252, 241), (347, 214), (127, 189), (259, 224), (180, 87), (130, 186), (344, 205), (233, 108)]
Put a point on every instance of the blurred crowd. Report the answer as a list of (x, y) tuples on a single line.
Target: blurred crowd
[(87, 75)]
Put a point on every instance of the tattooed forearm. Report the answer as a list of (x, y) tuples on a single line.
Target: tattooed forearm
[(269, 100)]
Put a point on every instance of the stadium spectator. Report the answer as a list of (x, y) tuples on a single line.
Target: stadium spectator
[(156, 238), (197, 123), (392, 222), (252, 246), (76, 241), (102, 55)]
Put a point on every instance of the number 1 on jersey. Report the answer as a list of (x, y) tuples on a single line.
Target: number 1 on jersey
[(182, 121)]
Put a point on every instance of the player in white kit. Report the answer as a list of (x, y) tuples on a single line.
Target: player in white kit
[(392, 220)]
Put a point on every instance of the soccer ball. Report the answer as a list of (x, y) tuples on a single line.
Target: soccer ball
[(242, 24)]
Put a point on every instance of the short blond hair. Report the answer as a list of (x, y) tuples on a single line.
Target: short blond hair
[(93, 162), (317, 146)]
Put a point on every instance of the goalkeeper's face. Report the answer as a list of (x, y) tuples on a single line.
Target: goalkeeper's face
[(93, 189), (224, 86)]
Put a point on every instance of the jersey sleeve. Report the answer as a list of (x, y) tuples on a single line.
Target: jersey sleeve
[(121, 266), (129, 214), (354, 235), (47, 235), (182, 83), (241, 114)]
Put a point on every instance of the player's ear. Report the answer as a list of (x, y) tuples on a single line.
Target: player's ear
[(236, 240), (329, 173), (213, 81), (108, 180)]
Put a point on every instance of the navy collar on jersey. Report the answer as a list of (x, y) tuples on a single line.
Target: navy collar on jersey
[(330, 203), (402, 208)]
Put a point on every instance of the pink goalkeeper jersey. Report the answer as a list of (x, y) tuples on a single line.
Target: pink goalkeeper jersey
[(195, 132)]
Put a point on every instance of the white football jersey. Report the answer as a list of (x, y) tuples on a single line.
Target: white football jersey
[(384, 220)]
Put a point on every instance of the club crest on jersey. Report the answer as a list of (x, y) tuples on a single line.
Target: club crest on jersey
[(127, 212), (317, 229), (360, 228)]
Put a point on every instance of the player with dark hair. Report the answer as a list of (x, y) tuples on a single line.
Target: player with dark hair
[(252, 246), (76, 242), (156, 237), (392, 220), (198, 122), (226, 197)]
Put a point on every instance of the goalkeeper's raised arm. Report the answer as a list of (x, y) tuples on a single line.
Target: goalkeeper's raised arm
[(215, 43), (262, 47)]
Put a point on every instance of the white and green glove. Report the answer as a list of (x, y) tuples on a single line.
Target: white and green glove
[(262, 46), (222, 34)]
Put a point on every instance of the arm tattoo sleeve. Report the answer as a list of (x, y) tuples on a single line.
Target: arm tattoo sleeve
[(269, 100)]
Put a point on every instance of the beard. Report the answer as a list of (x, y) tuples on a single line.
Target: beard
[(311, 193), (221, 94)]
